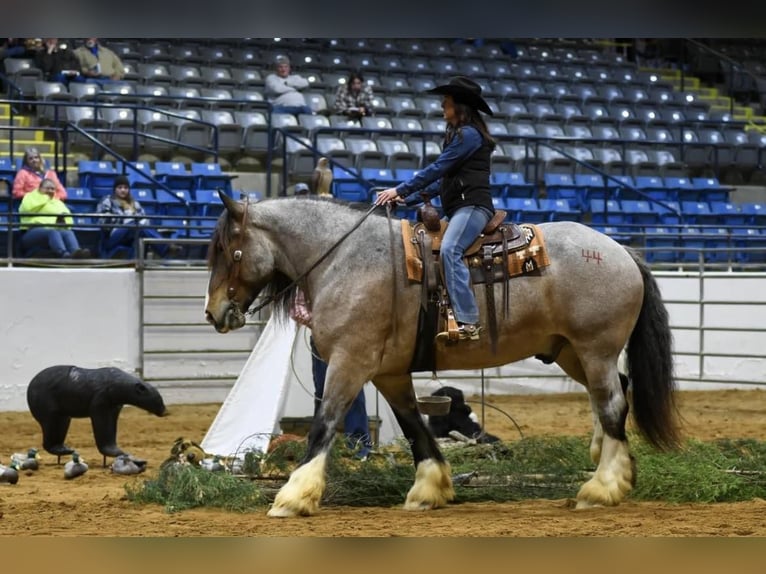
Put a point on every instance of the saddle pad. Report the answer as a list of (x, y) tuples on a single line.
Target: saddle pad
[(532, 257), (529, 258)]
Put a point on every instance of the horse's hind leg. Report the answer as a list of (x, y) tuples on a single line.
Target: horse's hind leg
[(615, 473), (433, 480)]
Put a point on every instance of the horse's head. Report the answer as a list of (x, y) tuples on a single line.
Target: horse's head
[(240, 265)]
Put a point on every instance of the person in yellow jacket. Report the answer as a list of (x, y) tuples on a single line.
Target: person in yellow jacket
[(46, 224)]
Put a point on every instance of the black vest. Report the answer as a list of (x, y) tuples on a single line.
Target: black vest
[(468, 182)]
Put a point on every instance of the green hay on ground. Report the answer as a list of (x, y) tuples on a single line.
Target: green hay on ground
[(549, 467)]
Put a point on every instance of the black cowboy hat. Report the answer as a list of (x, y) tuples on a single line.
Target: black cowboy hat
[(464, 90)]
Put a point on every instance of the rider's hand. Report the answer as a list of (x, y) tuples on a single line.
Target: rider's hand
[(387, 196)]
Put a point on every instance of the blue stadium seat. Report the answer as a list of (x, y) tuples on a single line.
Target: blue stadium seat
[(617, 191), (682, 187), (592, 186), (7, 172), (80, 200), (514, 184), (619, 234), (670, 215), (560, 209), (698, 212), (207, 203), (661, 243), (691, 244), (654, 187), (755, 213), (526, 210), (709, 189), (606, 212), (639, 211), (404, 174), (719, 245), (147, 200), (752, 239), (179, 202), (562, 186), (174, 175), (379, 177), (211, 176), (136, 179), (97, 175), (348, 187), (728, 213)]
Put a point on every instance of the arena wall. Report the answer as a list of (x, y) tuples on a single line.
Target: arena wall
[(153, 326)]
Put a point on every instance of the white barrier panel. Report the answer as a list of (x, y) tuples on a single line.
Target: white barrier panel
[(90, 318), (83, 317)]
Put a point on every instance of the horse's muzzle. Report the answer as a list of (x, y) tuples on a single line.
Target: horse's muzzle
[(232, 319)]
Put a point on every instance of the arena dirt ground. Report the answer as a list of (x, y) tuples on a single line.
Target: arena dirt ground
[(45, 504)]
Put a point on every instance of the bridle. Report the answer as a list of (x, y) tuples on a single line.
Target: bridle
[(236, 259)]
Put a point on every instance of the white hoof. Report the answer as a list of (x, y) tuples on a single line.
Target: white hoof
[(432, 488), (301, 494)]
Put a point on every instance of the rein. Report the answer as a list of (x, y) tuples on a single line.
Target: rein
[(237, 257)]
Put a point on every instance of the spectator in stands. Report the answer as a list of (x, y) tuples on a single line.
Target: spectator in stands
[(46, 223), (99, 64), (57, 62), (14, 48), (354, 98), (283, 89), (31, 174), (356, 423), (463, 168), (128, 222)]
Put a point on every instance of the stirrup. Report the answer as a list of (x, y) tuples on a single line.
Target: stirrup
[(464, 333)]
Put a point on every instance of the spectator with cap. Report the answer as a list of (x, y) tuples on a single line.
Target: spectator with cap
[(127, 220), (283, 89)]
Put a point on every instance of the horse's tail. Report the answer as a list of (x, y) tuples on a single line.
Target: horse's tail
[(650, 367)]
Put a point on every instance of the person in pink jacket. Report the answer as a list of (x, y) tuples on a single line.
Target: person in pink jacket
[(32, 173)]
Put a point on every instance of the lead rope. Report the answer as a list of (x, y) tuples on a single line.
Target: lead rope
[(303, 275)]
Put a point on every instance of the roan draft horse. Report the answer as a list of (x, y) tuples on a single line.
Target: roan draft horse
[(581, 311)]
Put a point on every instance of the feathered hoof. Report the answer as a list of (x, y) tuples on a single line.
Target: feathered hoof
[(594, 494), (284, 511), (422, 505)]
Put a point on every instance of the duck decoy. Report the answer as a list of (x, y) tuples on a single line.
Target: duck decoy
[(9, 474), (127, 464), (75, 467), (27, 461)]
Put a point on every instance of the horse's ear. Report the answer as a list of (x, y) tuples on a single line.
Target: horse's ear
[(235, 208)]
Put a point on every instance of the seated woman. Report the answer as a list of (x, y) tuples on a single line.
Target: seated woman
[(46, 223), (128, 223), (31, 175)]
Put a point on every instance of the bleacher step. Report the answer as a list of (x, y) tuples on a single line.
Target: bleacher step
[(20, 145)]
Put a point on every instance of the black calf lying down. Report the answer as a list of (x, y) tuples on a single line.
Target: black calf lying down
[(458, 419)]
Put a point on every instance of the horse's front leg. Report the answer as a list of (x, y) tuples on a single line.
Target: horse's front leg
[(433, 480), (302, 493)]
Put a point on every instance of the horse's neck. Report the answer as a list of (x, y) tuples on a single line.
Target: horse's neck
[(305, 231)]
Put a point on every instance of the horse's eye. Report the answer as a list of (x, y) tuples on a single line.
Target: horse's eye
[(235, 231)]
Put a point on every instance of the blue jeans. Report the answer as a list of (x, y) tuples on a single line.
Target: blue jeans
[(465, 225), (355, 425), (59, 240), (126, 236)]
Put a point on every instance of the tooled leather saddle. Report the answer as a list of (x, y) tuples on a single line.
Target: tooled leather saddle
[(500, 252)]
